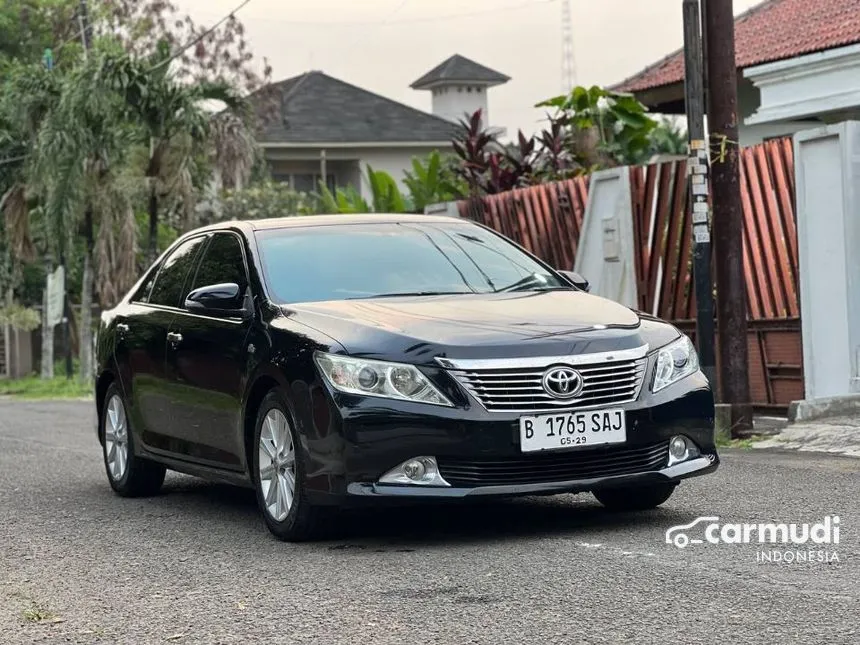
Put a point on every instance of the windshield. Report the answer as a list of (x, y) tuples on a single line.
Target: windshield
[(388, 259)]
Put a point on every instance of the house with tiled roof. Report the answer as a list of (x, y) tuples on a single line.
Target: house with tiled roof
[(798, 67), (322, 126)]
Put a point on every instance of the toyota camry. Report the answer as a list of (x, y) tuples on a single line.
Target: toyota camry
[(331, 361)]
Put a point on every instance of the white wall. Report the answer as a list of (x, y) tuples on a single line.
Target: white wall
[(455, 102), (827, 167), (749, 99), (395, 161), (606, 248)]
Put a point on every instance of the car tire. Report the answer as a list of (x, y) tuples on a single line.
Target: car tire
[(634, 499), (290, 517), (128, 474)]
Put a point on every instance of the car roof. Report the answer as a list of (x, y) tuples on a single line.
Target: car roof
[(304, 221)]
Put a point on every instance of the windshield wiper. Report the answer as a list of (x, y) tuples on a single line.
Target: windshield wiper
[(533, 282), (413, 293)]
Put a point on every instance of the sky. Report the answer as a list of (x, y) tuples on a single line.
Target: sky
[(384, 45)]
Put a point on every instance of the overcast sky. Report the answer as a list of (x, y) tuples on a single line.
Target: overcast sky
[(384, 45)]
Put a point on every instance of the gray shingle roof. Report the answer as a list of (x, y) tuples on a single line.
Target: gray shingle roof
[(316, 108), (460, 68)]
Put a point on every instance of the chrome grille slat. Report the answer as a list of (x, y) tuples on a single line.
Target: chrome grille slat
[(506, 389)]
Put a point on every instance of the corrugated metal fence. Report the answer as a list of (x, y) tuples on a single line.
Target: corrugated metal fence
[(547, 220)]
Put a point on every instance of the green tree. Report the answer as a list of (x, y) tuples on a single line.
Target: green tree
[(173, 124), (29, 27)]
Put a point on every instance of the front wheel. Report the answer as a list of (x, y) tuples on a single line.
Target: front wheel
[(128, 474), (279, 475), (640, 498)]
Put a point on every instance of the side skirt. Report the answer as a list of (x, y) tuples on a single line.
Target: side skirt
[(204, 472)]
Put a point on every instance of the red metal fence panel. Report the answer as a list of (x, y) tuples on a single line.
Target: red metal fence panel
[(547, 220)]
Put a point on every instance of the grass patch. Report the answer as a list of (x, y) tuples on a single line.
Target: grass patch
[(745, 443), (36, 614), (34, 388)]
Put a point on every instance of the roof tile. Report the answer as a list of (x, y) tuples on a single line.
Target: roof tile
[(773, 30), (317, 108)]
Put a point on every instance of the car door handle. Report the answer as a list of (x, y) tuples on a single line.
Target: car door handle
[(121, 328), (174, 337)]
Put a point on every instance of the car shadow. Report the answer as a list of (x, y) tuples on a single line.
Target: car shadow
[(406, 528)]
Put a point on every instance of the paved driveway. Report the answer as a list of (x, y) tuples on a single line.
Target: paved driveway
[(196, 565)]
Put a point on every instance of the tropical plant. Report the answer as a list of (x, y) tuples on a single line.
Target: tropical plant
[(385, 196), (342, 200), (619, 124), (488, 166), (668, 138), (175, 129), (434, 180)]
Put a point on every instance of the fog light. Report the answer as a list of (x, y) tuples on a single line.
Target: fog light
[(678, 448), (414, 470), (681, 449), (421, 471)]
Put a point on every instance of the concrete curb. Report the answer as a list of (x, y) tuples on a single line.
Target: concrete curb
[(837, 406)]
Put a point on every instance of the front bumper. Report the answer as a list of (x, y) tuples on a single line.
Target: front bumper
[(479, 453), (692, 468)]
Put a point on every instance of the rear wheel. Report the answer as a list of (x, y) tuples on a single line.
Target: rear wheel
[(640, 498), (278, 471), (129, 475)]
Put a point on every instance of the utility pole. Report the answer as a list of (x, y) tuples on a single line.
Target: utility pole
[(568, 59), (84, 19), (697, 167), (722, 75)]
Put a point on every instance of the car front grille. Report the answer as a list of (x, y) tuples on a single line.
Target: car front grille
[(554, 467), (520, 389)]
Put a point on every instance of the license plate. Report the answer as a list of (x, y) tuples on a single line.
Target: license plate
[(572, 430)]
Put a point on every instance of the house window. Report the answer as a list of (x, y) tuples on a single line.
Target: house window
[(305, 182), (309, 183)]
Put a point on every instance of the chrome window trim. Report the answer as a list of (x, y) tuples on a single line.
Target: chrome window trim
[(542, 362)]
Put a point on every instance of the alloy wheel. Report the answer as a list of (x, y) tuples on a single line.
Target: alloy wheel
[(277, 464), (116, 438)]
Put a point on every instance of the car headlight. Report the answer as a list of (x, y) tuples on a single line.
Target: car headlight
[(378, 378), (675, 361)]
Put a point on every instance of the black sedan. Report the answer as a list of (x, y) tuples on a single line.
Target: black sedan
[(333, 360)]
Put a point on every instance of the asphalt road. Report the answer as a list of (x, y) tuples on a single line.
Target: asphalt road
[(196, 564)]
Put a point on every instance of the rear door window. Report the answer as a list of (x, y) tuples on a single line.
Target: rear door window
[(223, 262), (172, 276)]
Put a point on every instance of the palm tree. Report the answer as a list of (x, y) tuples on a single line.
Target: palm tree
[(177, 130), (82, 150), (27, 96)]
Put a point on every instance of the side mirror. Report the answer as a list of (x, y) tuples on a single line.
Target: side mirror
[(223, 300), (576, 280)]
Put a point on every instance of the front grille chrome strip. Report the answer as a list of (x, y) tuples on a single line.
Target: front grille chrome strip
[(500, 386), (542, 362)]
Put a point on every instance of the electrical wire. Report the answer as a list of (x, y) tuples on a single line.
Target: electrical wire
[(409, 21), (196, 40)]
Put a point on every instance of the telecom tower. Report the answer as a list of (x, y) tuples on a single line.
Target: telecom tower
[(568, 63)]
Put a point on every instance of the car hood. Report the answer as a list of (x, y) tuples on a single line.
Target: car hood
[(531, 323)]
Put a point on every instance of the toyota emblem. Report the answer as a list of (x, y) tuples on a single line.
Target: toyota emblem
[(562, 382)]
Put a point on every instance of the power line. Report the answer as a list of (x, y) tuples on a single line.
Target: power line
[(196, 40), (387, 19), (409, 21)]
